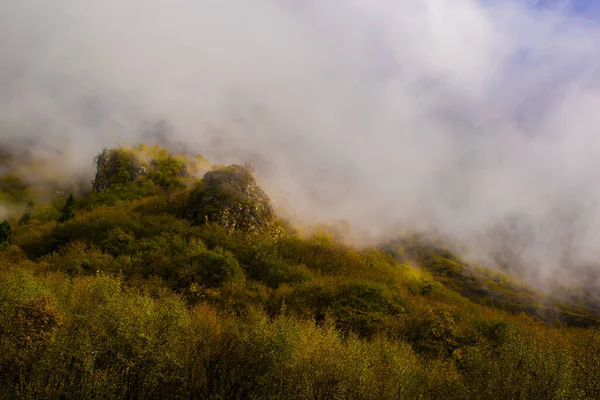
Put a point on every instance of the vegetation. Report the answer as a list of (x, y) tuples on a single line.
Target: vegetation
[(490, 287), (5, 232), (130, 292), (67, 212)]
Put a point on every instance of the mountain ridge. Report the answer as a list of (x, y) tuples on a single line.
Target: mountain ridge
[(128, 294)]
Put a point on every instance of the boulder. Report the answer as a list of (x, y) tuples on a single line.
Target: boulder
[(230, 197)]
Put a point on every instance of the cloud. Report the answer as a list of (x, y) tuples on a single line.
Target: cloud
[(454, 115)]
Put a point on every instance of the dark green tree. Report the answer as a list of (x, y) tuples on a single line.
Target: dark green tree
[(6, 232), (26, 217), (67, 212)]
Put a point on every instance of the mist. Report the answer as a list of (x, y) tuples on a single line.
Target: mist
[(476, 119)]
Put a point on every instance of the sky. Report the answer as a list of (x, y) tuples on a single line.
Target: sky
[(462, 116), (578, 7)]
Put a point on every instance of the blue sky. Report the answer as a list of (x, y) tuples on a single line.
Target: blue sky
[(586, 8)]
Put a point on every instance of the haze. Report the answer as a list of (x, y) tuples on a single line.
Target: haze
[(467, 117)]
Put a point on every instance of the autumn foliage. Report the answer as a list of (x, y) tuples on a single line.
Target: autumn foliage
[(123, 293)]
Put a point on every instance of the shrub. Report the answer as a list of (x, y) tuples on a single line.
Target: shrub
[(216, 267)]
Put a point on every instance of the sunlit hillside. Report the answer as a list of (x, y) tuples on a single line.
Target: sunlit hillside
[(174, 279)]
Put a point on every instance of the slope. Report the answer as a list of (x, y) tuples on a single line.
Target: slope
[(155, 287)]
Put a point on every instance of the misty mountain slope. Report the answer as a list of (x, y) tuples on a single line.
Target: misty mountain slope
[(230, 198), (121, 292), (454, 117), (32, 173), (572, 306)]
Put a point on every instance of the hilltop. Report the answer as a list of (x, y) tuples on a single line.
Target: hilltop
[(174, 278)]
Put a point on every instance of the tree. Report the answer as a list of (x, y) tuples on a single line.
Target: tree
[(6, 232), (67, 212), (26, 217)]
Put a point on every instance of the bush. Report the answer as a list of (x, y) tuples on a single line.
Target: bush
[(216, 267)]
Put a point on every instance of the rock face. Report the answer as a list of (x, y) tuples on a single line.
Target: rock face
[(140, 163), (117, 166), (230, 197)]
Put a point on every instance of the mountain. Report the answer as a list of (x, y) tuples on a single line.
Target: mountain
[(172, 278)]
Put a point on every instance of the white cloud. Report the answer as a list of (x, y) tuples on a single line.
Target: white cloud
[(452, 114)]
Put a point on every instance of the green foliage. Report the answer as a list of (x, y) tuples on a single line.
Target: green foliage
[(28, 214), (128, 297), (67, 212), (433, 332), (14, 190), (143, 166), (6, 233), (166, 171), (214, 268), (483, 285), (360, 307)]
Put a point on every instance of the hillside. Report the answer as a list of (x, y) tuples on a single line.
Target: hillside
[(176, 279), (490, 287)]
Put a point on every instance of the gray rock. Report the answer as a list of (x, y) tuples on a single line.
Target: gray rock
[(117, 166), (230, 197)]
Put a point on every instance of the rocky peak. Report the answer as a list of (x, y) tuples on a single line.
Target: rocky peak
[(230, 197)]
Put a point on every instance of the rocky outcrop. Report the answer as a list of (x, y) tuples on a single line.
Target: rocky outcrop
[(230, 197), (117, 166), (127, 165)]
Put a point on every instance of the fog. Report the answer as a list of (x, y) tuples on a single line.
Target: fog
[(478, 119)]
